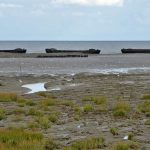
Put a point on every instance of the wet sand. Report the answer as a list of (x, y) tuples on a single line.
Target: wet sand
[(128, 87)]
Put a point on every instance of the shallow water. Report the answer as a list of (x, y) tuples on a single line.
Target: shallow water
[(105, 64), (35, 87)]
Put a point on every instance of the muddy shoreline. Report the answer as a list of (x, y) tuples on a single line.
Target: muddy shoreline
[(42, 55), (127, 87)]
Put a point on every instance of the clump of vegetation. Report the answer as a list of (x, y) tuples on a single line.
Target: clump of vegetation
[(121, 109), (68, 103), (53, 118), (1, 84), (50, 145), (43, 122), (87, 99), (130, 136), (2, 114), (77, 113), (92, 143), (99, 100), (48, 102), (88, 108), (129, 145), (8, 97), (33, 125), (96, 100), (144, 108), (34, 112), (42, 94), (147, 114), (30, 103), (114, 131), (18, 139), (21, 102), (146, 97), (147, 122)]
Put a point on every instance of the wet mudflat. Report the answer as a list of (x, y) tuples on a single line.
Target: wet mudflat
[(85, 106)]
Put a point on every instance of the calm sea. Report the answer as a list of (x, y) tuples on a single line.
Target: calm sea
[(113, 63), (107, 47)]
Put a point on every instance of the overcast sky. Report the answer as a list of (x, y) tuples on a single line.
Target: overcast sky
[(74, 19)]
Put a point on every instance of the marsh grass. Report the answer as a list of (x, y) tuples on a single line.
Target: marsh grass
[(147, 122), (85, 144), (51, 145), (30, 103), (88, 108), (129, 145), (8, 97), (2, 113), (43, 122), (121, 109), (48, 102), (99, 100), (114, 131), (53, 118), (67, 103), (146, 97), (33, 125), (34, 112), (17, 139), (42, 94), (144, 108), (77, 113), (87, 99)]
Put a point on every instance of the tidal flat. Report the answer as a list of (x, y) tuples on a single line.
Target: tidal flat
[(101, 112)]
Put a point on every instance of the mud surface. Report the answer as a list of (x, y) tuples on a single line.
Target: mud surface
[(129, 88)]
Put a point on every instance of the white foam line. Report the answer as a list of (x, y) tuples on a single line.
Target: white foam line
[(35, 87), (121, 70)]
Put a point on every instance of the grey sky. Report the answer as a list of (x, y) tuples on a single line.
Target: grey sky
[(74, 19)]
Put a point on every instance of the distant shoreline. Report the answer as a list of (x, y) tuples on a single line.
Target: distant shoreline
[(41, 55)]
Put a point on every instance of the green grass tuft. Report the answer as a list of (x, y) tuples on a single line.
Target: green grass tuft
[(147, 122), (87, 144), (129, 145), (99, 100), (35, 112), (2, 114), (144, 107), (43, 122), (42, 94), (48, 102), (121, 109), (8, 97), (114, 131), (16, 139), (88, 108), (146, 97), (53, 118)]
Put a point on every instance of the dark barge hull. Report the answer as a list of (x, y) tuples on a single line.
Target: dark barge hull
[(130, 50), (90, 51), (17, 50)]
